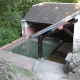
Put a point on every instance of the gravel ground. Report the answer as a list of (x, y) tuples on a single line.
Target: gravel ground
[(9, 71)]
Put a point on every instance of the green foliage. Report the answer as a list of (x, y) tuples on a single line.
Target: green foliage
[(8, 34), (10, 27), (69, 1), (75, 1)]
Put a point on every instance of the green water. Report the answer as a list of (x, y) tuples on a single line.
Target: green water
[(30, 48)]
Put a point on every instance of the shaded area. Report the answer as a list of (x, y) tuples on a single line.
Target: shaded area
[(58, 57)]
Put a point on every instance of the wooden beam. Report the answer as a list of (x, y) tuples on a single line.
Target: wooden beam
[(68, 32)]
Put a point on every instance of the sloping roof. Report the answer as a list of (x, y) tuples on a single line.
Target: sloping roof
[(51, 13)]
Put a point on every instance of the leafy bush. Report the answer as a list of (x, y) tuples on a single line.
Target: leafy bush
[(10, 26), (8, 34)]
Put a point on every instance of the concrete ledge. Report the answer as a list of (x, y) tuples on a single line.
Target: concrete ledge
[(9, 45), (18, 60), (5, 47)]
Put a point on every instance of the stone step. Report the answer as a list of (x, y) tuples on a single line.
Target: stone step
[(48, 70), (48, 66), (51, 76)]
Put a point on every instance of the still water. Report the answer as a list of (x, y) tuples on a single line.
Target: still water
[(30, 48)]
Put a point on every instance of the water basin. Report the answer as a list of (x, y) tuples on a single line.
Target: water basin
[(29, 48)]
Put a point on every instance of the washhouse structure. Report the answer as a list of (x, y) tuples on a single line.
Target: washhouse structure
[(47, 19), (51, 42)]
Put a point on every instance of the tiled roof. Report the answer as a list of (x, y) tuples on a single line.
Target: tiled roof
[(51, 13)]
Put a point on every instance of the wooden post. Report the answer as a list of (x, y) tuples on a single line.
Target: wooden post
[(76, 38)]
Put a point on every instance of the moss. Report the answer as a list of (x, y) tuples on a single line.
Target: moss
[(9, 71)]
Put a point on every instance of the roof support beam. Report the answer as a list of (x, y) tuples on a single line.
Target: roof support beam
[(68, 32)]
